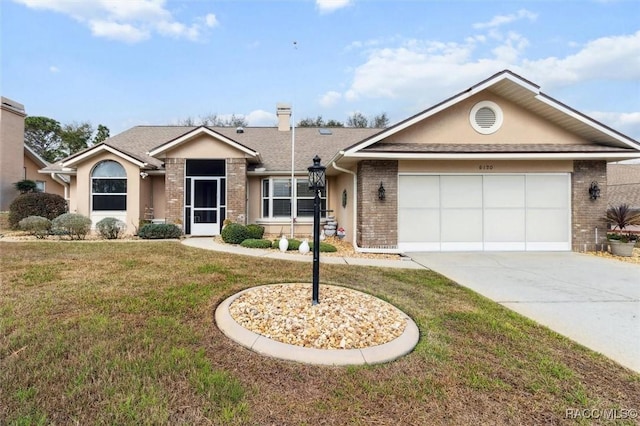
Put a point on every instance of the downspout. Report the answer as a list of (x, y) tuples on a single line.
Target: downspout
[(355, 214)]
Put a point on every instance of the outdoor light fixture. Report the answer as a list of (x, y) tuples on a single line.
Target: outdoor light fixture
[(317, 177), (381, 192), (594, 191)]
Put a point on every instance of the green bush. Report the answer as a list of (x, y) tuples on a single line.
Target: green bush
[(324, 247), (234, 233), (25, 186), (41, 204), (110, 228), (256, 243), (36, 225), (76, 226), (255, 231), (155, 231)]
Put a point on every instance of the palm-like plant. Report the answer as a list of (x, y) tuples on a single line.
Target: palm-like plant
[(622, 216)]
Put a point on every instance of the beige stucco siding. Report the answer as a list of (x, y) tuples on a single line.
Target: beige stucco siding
[(452, 126), (50, 185), (204, 146), (81, 189), (11, 152), (484, 166), (344, 215), (158, 198)]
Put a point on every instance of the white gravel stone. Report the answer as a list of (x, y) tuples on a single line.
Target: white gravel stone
[(344, 318)]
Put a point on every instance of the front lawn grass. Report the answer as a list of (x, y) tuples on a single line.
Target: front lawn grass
[(123, 333)]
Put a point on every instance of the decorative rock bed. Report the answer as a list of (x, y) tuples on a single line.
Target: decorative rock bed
[(344, 318)]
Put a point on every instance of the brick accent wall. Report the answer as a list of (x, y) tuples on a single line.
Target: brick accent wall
[(174, 190), (586, 213), (237, 190), (377, 220)]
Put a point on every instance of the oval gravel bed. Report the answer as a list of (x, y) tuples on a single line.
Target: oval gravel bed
[(346, 327)]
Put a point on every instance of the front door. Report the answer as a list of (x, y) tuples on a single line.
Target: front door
[(205, 211)]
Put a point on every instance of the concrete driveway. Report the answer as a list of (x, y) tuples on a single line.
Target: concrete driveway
[(592, 300)]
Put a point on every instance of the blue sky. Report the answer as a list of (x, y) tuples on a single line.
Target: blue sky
[(128, 62)]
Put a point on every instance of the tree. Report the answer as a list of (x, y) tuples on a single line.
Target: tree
[(42, 134), (213, 120), (310, 122), (75, 137), (25, 186), (380, 121), (334, 123), (101, 134), (357, 119)]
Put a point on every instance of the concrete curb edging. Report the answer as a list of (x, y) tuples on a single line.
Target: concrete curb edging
[(386, 352)]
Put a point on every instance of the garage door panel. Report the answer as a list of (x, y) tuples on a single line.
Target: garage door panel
[(485, 212), (547, 191), (423, 225), (504, 225), (504, 191), (547, 225), (460, 191), (419, 192), (461, 225)]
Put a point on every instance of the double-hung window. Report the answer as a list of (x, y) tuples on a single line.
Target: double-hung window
[(279, 198), (109, 187)]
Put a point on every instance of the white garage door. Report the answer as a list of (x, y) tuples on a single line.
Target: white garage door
[(514, 212)]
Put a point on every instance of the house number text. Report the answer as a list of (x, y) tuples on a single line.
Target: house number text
[(485, 166)]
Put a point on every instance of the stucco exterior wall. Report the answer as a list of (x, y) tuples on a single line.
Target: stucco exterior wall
[(452, 126), (587, 214), (50, 185), (485, 166), (81, 189), (11, 150), (377, 220), (204, 146), (158, 196), (344, 215)]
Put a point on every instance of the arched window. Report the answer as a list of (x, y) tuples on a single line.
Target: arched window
[(109, 187)]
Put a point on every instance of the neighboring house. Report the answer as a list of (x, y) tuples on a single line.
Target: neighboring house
[(623, 185), (18, 161), (500, 166)]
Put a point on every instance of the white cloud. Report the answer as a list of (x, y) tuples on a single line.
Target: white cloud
[(54, 69), (627, 123), (129, 21), (261, 118), (330, 98), (500, 20), (116, 31), (328, 6)]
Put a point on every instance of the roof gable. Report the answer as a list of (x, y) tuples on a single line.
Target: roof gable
[(524, 94), (200, 131), (73, 161)]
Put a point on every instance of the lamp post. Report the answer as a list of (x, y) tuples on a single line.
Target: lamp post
[(317, 178)]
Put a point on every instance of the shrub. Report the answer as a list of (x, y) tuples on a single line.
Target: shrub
[(25, 186), (255, 231), (110, 228), (42, 204), (155, 231), (256, 243), (324, 247), (36, 225), (75, 225), (234, 233)]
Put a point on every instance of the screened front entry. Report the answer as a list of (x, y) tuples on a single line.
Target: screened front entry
[(205, 196)]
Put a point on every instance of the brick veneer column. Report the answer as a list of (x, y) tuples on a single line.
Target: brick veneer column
[(174, 190), (237, 190), (586, 213), (377, 220)]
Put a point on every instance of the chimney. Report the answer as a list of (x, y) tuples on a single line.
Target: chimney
[(284, 117)]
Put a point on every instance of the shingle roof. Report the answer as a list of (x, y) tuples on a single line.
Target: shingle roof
[(490, 148), (273, 145), (623, 184)]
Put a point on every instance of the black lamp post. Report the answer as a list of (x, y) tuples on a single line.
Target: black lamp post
[(316, 183)]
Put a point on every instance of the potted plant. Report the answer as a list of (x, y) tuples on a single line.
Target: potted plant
[(621, 243)]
